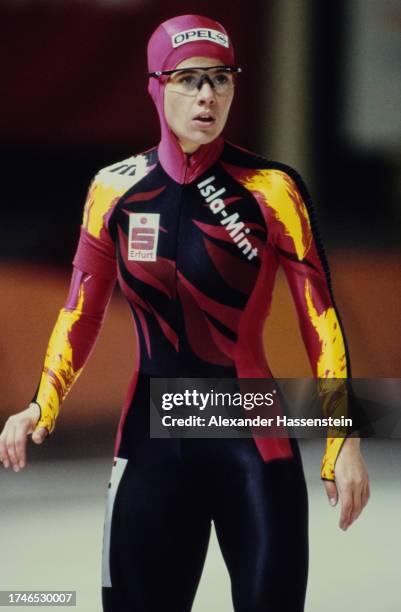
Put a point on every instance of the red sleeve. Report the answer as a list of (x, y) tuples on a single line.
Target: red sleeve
[(79, 322), (95, 256)]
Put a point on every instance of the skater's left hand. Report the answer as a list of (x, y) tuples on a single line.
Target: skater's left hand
[(351, 484)]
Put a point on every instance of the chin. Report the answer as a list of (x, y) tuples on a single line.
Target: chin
[(204, 138), (198, 139)]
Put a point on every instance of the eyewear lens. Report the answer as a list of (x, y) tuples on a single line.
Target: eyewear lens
[(191, 80)]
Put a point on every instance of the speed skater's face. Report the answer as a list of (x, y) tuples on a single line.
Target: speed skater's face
[(198, 114)]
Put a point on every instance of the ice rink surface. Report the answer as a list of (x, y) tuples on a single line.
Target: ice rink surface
[(51, 524)]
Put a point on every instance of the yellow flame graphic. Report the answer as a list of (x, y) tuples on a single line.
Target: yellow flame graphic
[(58, 372), (281, 194), (332, 362), (333, 447), (107, 188)]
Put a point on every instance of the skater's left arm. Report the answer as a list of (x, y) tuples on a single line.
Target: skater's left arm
[(294, 236)]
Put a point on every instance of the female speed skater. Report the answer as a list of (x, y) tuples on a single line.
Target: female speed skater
[(194, 231)]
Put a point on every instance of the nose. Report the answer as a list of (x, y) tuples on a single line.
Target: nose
[(206, 93)]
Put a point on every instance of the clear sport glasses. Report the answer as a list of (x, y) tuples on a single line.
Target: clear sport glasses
[(190, 80)]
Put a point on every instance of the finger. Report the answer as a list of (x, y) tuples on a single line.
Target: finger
[(21, 432), (346, 508), (39, 435), (331, 491), (10, 443)]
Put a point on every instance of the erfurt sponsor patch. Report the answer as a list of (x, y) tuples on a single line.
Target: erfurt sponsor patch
[(143, 236)]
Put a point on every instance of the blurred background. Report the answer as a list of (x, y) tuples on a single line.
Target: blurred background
[(320, 91)]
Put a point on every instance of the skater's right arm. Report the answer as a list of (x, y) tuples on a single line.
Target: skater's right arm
[(75, 331)]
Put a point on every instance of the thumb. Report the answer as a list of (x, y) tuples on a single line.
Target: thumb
[(332, 493), (39, 435)]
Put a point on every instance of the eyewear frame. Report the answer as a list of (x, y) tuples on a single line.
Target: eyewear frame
[(159, 73)]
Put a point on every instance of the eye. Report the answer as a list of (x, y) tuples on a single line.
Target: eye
[(221, 79), (188, 80)]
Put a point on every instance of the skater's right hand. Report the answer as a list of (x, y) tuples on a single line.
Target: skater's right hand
[(14, 435)]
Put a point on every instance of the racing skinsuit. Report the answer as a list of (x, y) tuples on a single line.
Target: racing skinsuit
[(196, 257)]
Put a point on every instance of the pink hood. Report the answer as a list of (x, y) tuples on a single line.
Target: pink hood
[(173, 41)]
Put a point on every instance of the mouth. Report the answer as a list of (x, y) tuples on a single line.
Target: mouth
[(204, 119)]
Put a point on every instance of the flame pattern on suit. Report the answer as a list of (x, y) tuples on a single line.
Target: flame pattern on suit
[(59, 370), (284, 199)]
